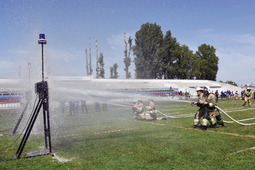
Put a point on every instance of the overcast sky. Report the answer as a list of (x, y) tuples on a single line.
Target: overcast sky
[(227, 25)]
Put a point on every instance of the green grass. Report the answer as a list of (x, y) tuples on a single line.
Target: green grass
[(113, 140)]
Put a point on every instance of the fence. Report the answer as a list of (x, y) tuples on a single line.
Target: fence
[(9, 105)]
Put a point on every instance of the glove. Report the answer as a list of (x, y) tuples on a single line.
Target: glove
[(211, 105)]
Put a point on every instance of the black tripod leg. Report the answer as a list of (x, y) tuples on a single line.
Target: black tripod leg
[(29, 128), (42, 90), (20, 118), (46, 122)]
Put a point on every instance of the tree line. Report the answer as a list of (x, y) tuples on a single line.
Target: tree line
[(158, 56)]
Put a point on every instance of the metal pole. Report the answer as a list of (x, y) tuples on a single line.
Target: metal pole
[(42, 65)]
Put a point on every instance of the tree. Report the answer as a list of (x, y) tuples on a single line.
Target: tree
[(147, 43), (167, 56), (231, 82), (163, 57), (127, 59), (101, 63), (184, 64), (206, 63), (113, 70)]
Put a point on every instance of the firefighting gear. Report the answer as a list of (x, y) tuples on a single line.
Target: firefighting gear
[(213, 112), (205, 120), (247, 97), (210, 108), (201, 111), (197, 117), (236, 96), (138, 109), (146, 113), (207, 111), (236, 121)]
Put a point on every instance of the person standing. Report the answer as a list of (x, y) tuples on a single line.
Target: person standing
[(217, 96), (236, 95), (97, 107), (84, 106), (72, 107), (247, 97), (62, 106)]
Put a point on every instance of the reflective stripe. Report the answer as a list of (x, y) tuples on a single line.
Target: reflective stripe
[(196, 121), (205, 121)]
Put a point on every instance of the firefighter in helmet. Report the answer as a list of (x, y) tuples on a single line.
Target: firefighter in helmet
[(236, 95), (247, 97), (138, 109), (212, 112), (151, 109), (200, 103), (151, 112), (206, 116)]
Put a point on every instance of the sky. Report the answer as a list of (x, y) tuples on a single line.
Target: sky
[(227, 25)]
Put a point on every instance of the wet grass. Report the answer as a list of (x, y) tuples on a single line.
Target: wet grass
[(113, 140)]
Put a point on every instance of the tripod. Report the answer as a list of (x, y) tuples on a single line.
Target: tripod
[(42, 89)]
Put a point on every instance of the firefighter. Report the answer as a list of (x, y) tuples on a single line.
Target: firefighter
[(151, 109), (84, 106), (206, 116), (72, 107), (200, 103), (151, 112), (138, 109), (210, 104), (236, 95), (247, 95)]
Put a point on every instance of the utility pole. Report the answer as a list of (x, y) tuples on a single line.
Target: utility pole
[(125, 53), (87, 67), (127, 59), (90, 69), (97, 60)]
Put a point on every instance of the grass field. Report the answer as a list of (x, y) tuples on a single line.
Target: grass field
[(113, 140)]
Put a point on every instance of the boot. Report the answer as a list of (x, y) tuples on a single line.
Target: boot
[(222, 124), (204, 128), (215, 125), (196, 126)]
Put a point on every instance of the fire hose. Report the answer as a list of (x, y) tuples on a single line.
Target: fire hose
[(244, 124), (240, 123), (165, 114)]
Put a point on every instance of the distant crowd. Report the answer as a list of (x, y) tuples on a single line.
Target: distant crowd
[(185, 94), (229, 95), (219, 95)]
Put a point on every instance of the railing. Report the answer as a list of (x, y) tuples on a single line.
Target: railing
[(9, 105)]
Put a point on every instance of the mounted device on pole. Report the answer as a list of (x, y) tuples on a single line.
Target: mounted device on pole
[(41, 88)]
